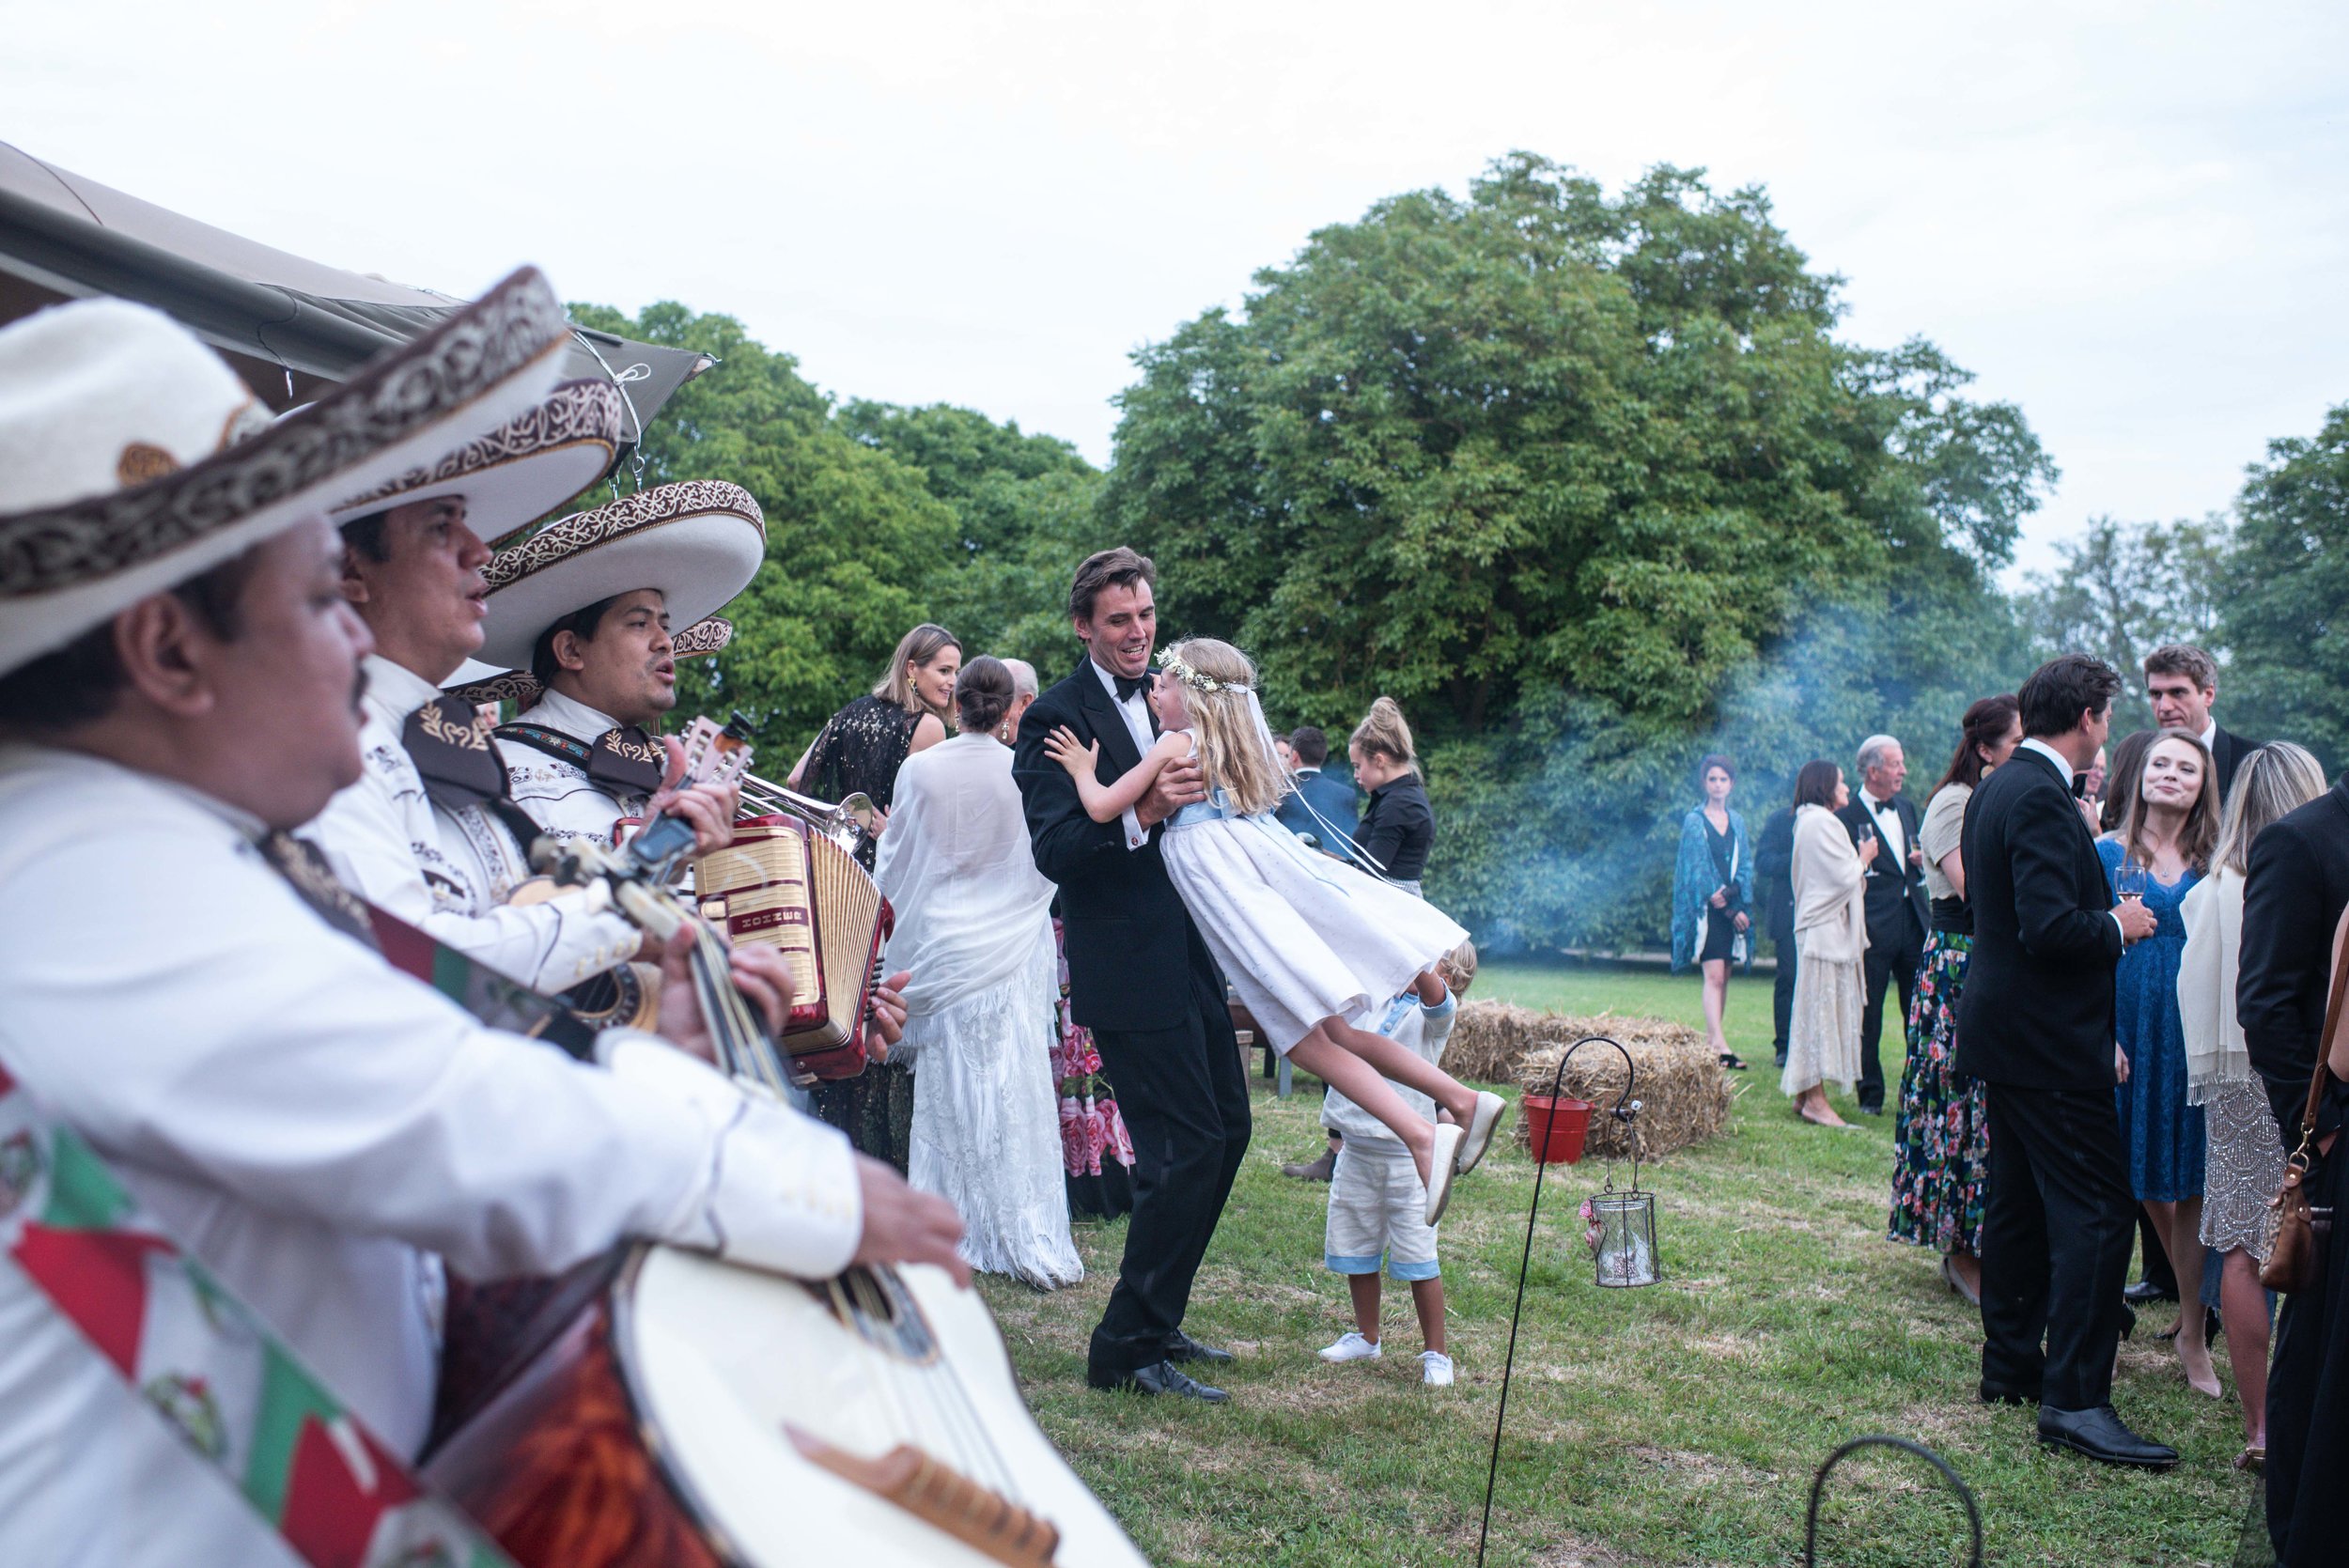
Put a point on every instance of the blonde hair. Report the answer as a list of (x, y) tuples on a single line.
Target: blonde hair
[(919, 646), (1217, 681), (1458, 968), (2273, 781), (2199, 837), (1382, 730)]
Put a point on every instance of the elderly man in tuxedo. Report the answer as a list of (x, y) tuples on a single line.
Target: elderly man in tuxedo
[(2035, 1024), (1896, 904)]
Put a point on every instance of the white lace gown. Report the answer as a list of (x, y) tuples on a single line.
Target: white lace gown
[(974, 925), (1301, 937)]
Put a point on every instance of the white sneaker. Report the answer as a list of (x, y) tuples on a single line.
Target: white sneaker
[(1435, 1369), (1351, 1346)]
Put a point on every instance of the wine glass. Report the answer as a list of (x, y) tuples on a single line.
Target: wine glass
[(2129, 881)]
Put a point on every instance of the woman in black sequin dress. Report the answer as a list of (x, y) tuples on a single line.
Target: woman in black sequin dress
[(860, 749)]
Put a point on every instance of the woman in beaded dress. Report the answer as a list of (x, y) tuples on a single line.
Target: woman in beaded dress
[(2246, 1159), (2169, 828), (860, 749), (1940, 1135)]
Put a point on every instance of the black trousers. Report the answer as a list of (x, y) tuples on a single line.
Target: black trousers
[(2056, 1233), (2308, 1402), (1782, 991), (1884, 963), (1185, 1099)]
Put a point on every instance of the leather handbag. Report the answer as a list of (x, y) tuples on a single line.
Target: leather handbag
[(2295, 1256)]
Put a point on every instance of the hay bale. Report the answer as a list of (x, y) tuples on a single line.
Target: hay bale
[(1490, 1038), (1682, 1093)]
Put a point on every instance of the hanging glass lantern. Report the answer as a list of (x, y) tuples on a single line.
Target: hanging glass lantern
[(1623, 1232)]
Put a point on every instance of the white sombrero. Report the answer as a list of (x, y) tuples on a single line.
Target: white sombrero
[(699, 543), (132, 459), (519, 472), (477, 683)]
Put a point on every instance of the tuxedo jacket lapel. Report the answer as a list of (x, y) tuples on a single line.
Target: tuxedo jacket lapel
[(1109, 726)]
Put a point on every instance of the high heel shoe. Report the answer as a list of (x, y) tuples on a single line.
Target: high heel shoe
[(1957, 1282)]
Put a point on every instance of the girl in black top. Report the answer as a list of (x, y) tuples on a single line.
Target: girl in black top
[(1398, 828)]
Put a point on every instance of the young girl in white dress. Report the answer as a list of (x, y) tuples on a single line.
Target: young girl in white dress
[(1312, 945)]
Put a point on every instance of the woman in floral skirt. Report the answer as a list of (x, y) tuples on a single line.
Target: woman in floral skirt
[(1940, 1138)]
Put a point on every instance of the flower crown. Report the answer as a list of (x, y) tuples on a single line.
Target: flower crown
[(1173, 664)]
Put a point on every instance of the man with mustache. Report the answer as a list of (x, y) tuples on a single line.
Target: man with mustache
[(429, 833), (586, 605), (191, 994)]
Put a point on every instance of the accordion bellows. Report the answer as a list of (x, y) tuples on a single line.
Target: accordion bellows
[(782, 882)]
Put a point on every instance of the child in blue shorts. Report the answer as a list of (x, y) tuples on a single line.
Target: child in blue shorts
[(1376, 1199)]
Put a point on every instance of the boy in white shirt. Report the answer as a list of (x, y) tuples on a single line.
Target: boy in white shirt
[(1375, 1197)]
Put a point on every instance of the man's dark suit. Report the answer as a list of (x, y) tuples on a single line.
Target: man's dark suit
[(1774, 862), (2035, 1023), (1897, 909), (2226, 753), (1143, 982), (2292, 896)]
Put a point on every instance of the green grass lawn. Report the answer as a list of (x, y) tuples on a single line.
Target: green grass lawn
[(1676, 1424)]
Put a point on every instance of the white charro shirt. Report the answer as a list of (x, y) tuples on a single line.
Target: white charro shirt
[(315, 1127), (448, 873), (556, 792)]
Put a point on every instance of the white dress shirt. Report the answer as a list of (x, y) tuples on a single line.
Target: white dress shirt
[(448, 873), (315, 1127), (1887, 820), (556, 792), (1135, 711)]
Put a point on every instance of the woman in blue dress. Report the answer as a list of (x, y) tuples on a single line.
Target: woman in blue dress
[(1713, 895), (2162, 849)]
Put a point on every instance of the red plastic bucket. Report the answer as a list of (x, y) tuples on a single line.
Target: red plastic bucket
[(1556, 1126)]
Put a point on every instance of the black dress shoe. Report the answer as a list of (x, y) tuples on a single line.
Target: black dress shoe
[(1161, 1377), (1182, 1347), (2145, 1291), (2006, 1393), (2099, 1435), (1872, 1111)]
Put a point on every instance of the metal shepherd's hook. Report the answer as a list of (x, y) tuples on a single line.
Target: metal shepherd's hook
[(1625, 1109)]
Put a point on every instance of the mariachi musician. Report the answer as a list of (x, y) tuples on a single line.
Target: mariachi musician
[(429, 832), (586, 604), (177, 679)]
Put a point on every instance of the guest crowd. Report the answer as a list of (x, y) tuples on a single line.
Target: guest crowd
[(2115, 978)]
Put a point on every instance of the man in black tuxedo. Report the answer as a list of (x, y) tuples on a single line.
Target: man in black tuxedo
[(2181, 681), (1140, 978), (2292, 896), (1774, 862), (2035, 1025), (1896, 902)]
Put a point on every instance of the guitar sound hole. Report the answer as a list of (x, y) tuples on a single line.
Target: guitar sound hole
[(875, 1305)]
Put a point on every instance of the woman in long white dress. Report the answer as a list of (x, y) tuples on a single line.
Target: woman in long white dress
[(975, 926), (1831, 935)]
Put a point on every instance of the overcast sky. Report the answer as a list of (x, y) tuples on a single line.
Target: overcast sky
[(2132, 220)]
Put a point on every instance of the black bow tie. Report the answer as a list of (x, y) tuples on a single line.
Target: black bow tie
[(1880, 807), (1132, 686)]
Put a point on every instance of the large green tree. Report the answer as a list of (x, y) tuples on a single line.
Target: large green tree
[(2120, 590), (1559, 470), (1024, 507), (2286, 609)]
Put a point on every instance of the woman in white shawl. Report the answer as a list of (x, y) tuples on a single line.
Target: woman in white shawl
[(1831, 935), (2244, 1163), (975, 928)]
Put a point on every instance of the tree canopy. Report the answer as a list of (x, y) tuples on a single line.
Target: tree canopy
[(2286, 611)]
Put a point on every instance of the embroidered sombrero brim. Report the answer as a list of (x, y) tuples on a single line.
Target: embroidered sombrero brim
[(519, 472), (476, 682), (69, 566), (699, 543)]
